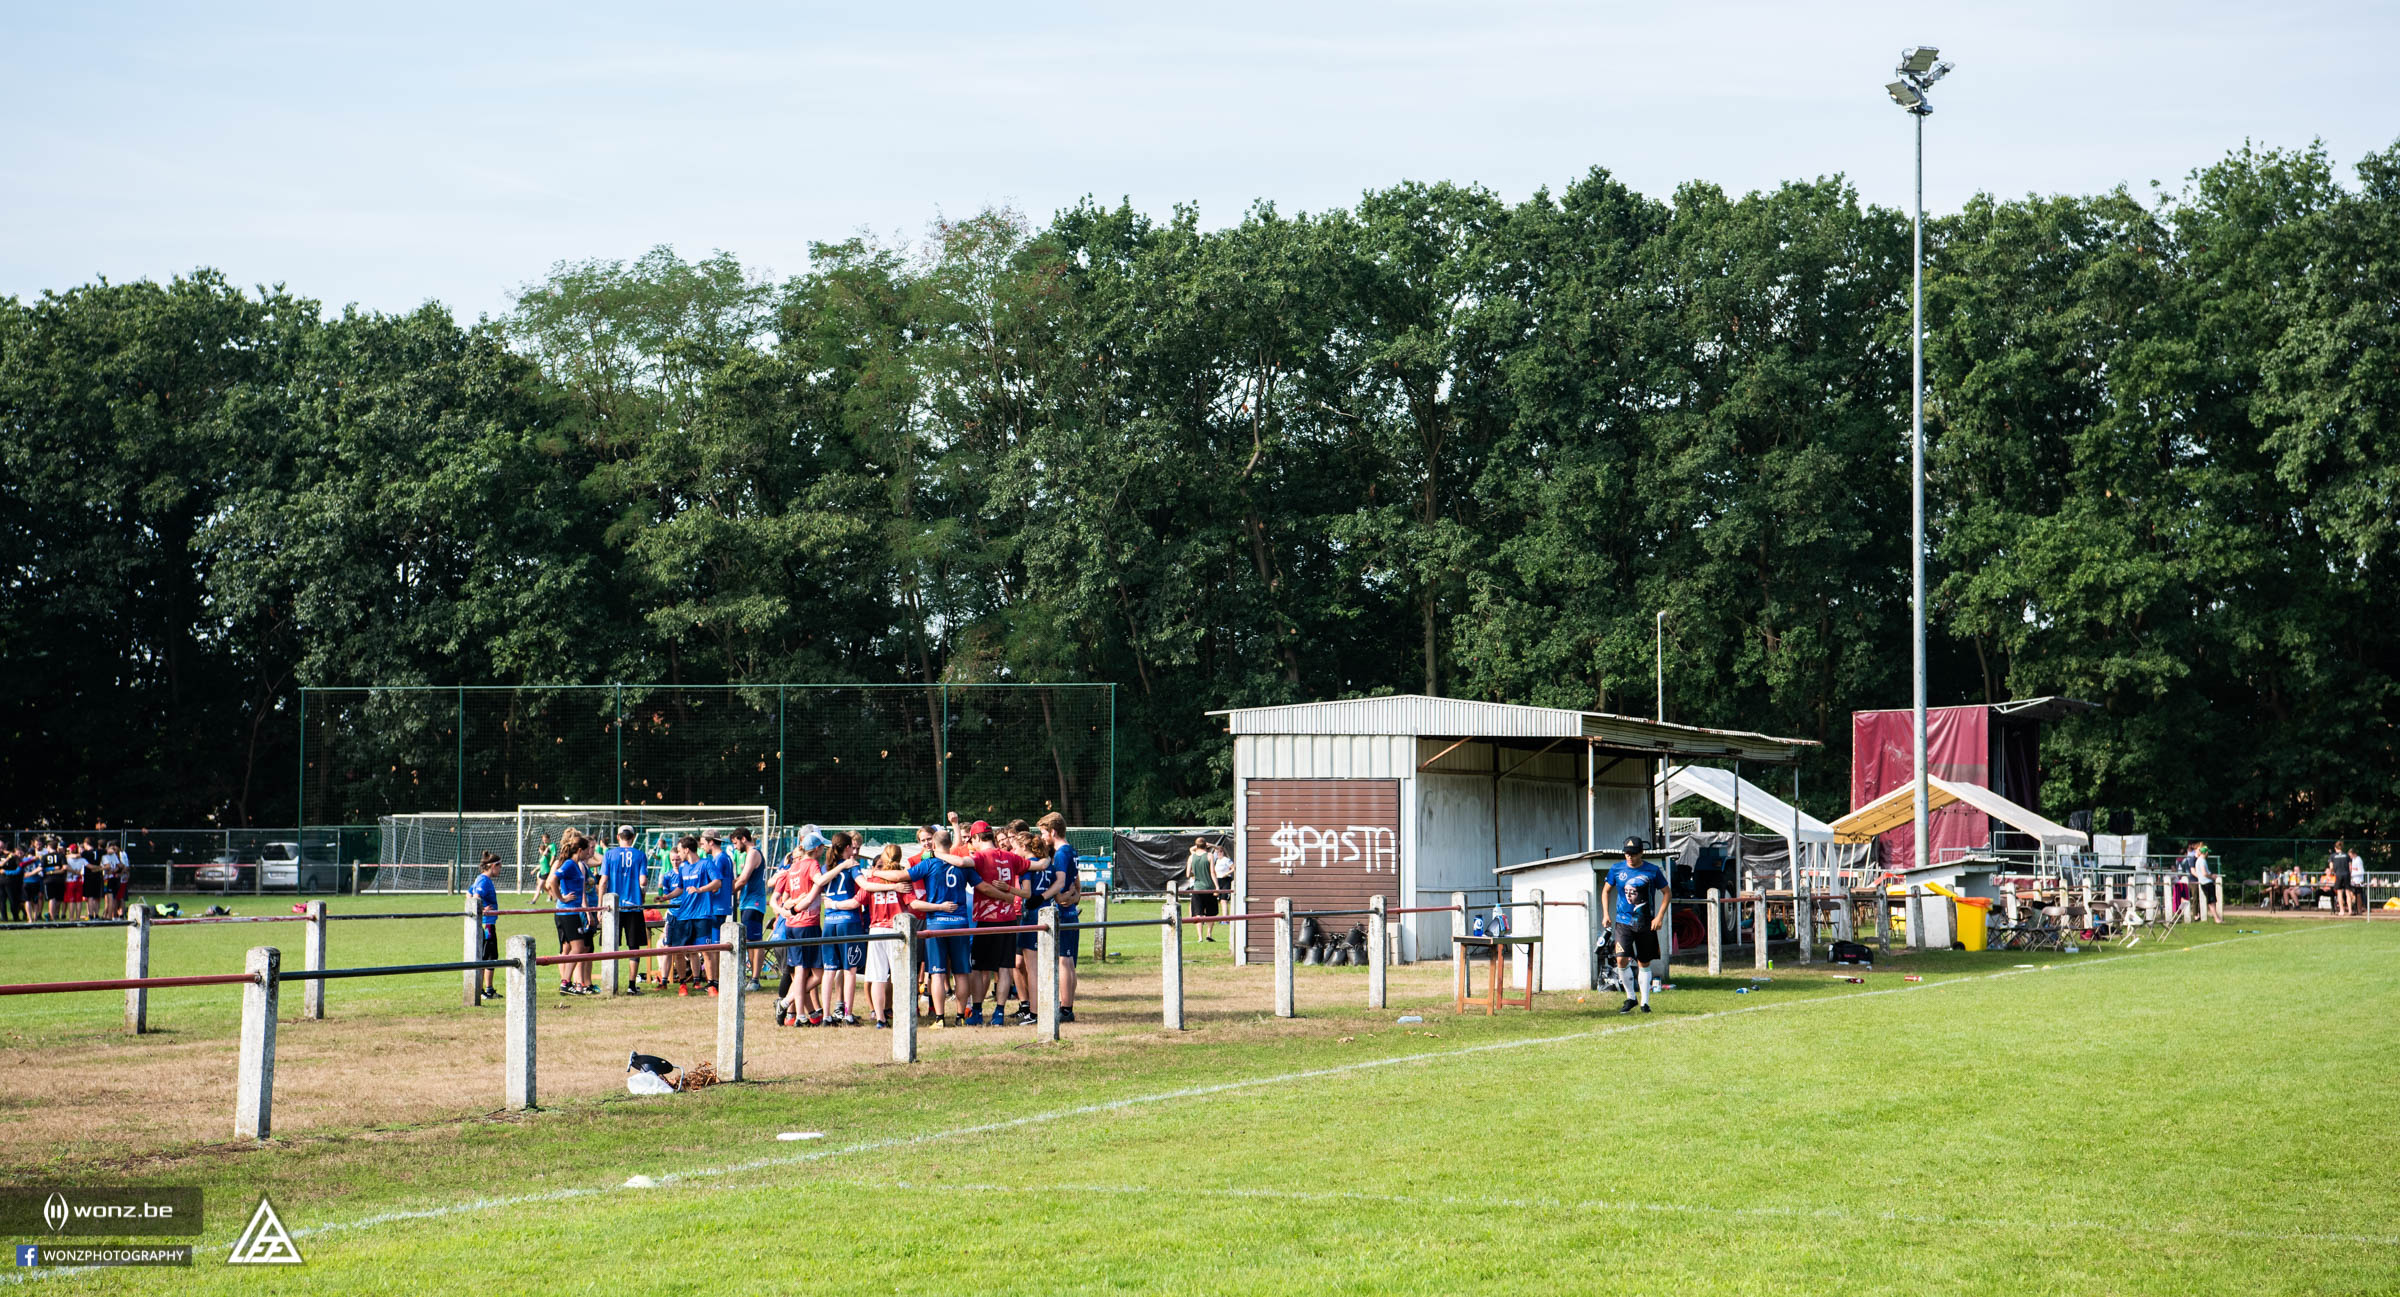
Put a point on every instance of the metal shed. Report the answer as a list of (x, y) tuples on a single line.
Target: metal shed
[(1416, 797)]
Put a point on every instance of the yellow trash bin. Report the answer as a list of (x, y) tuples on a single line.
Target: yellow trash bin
[(1974, 917)]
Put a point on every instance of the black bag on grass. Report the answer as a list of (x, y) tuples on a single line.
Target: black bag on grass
[(1850, 952)]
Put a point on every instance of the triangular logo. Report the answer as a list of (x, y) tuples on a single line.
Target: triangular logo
[(263, 1240)]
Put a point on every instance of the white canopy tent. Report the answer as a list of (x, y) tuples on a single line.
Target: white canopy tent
[(1811, 841), (1898, 807)]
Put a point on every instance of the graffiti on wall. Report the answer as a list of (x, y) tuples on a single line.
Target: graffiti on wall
[(1373, 847)]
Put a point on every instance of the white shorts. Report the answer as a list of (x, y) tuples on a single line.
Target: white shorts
[(879, 956)]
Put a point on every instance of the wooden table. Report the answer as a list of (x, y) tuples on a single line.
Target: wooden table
[(1496, 995)]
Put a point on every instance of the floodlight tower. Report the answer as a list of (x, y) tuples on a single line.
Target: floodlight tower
[(1919, 69)]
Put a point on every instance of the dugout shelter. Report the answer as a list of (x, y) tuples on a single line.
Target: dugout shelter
[(1413, 798)]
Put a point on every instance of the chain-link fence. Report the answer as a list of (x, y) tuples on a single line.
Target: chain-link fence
[(825, 754)]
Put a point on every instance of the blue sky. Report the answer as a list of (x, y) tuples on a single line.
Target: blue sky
[(391, 155)]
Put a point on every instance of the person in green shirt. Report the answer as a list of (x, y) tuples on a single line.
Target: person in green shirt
[(541, 867)]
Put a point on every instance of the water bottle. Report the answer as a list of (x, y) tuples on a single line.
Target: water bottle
[(1499, 921), (1478, 925)]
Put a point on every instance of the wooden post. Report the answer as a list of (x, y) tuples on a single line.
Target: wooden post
[(1284, 990), (312, 958), (473, 951), (137, 964), (611, 941), (254, 1078), (1378, 969), (729, 1003), (1045, 975), (1716, 932), (1170, 962), (904, 990), (517, 1080)]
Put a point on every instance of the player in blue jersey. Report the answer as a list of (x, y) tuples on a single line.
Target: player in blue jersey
[(486, 892), (845, 915), (948, 908), (570, 883), (1066, 884), (687, 889), (1635, 898), (750, 900), (625, 874)]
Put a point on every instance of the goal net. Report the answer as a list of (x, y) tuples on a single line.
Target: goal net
[(436, 851), (538, 829)]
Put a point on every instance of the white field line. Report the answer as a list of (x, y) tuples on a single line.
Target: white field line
[(1197, 1091), (1935, 1219)]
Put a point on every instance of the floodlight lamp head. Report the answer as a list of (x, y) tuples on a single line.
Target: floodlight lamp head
[(1920, 60), (1906, 96)]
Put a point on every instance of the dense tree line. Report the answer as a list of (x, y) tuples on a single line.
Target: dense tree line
[(1436, 442)]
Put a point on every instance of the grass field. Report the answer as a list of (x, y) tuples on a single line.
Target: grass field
[(2211, 1115)]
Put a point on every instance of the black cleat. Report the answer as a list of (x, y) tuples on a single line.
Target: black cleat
[(1645, 1008), (1628, 1008)]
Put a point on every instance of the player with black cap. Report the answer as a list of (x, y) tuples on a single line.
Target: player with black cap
[(1635, 897)]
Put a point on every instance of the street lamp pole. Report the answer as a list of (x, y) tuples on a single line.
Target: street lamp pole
[(1919, 69)]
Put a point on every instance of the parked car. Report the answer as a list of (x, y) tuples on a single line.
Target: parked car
[(223, 870), (284, 869)]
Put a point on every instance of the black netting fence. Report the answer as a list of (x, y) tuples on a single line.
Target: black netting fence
[(826, 754)]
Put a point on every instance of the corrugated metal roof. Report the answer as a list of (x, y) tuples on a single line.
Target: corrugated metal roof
[(1425, 716)]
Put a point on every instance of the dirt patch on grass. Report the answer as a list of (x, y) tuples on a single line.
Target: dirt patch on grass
[(136, 1100)]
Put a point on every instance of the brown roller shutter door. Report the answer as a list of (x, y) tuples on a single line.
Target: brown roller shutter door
[(1329, 844)]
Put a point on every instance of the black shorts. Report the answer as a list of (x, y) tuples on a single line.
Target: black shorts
[(633, 931), (57, 885), (1636, 939), (572, 927), (490, 947), (993, 951)]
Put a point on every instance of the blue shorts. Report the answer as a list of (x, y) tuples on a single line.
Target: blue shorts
[(1070, 943), (946, 950), (679, 932), (754, 924), (837, 956)]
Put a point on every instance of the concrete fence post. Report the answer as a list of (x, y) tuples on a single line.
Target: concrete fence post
[(1284, 994), (1883, 918), (1804, 916), (1916, 917), (517, 1049), (254, 1078), (729, 1004), (472, 951), (1045, 975), (312, 958), (1100, 946), (612, 940), (904, 990), (1170, 963), (1716, 932), (1758, 931), (137, 964), (2008, 901), (1533, 954), (1844, 924), (1379, 960), (1458, 953), (1592, 931)]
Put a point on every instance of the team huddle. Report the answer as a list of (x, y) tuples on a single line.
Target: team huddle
[(961, 882)]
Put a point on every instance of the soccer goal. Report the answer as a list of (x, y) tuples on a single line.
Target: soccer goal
[(437, 851), (538, 828)]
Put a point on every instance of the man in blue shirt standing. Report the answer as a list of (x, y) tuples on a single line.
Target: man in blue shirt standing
[(689, 887), (1635, 897), (486, 891), (625, 874), (721, 901), (750, 892), (1065, 883)]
